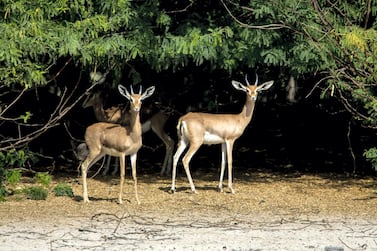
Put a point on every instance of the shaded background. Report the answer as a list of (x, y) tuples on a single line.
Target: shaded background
[(310, 135)]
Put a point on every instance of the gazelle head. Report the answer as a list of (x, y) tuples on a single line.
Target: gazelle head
[(136, 99), (252, 90)]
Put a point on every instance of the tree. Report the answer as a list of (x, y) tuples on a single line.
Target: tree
[(51, 46), (334, 41)]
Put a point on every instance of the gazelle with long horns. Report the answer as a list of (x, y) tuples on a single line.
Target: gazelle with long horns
[(196, 129), (116, 114), (104, 138)]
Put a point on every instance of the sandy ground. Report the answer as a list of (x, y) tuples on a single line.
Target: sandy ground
[(268, 212)]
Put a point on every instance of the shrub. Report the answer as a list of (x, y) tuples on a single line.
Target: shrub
[(36, 193), (43, 178), (371, 156), (13, 176), (63, 189)]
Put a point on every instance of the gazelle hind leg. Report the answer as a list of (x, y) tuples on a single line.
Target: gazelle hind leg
[(186, 163), (166, 166), (116, 167), (107, 167), (181, 147), (157, 125), (86, 164)]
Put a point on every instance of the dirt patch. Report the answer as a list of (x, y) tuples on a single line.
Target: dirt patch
[(270, 211)]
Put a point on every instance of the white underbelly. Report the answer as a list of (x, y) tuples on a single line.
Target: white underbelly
[(211, 139)]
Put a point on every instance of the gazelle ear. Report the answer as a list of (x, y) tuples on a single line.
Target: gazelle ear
[(148, 92), (265, 86), (124, 92), (238, 85)]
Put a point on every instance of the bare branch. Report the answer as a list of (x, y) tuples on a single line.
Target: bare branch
[(61, 110), (11, 104), (60, 71), (263, 27), (181, 10), (317, 84), (367, 14), (349, 107)]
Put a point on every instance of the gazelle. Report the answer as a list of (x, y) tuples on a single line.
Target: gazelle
[(104, 138), (196, 129), (112, 114), (116, 114)]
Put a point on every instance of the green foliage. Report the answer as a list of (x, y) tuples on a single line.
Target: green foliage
[(13, 176), (3, 191), (371, 156), (25, 118), (36, 193), (63, 189), (43, 178), (17, 158), (39, 192), (335, 41)]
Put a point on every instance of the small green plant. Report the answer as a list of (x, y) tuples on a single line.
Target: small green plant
[(36, 193), (63, 189), (3, 191), (43, 178), (371, 156), (13, 176)]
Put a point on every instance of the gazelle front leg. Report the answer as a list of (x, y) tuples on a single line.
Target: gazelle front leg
[(229, 144), (133, 158), (84, 171), (122, 160), (223, 162)]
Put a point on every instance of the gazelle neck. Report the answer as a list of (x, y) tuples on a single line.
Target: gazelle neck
[(248, 109), (99, 112), (135, 126)]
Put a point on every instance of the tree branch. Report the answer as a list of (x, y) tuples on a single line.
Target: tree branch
[(263, 27)]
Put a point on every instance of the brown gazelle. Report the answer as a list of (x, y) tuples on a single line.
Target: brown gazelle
[(104, 138), (116, 114), (112, 114), (196, 129)]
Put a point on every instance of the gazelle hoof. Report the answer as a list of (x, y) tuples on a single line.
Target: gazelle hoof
[(171, 191)]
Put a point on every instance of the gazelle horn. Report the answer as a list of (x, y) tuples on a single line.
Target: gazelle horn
[(256, 79), (132, 90), (141, 88), (247, 81)]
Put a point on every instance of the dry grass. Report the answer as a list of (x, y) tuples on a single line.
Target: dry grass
[(258, 194)]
